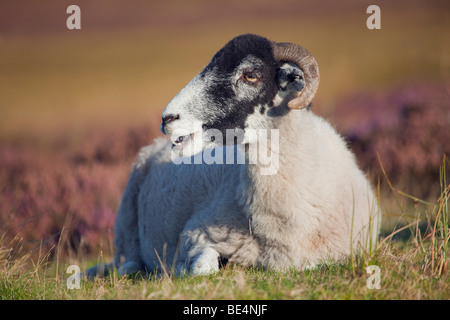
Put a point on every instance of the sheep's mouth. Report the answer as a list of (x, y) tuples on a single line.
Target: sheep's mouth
[(182, 141), (184, 145)]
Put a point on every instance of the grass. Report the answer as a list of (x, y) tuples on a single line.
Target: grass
[(51, 85), (402, 277), (416, 268)]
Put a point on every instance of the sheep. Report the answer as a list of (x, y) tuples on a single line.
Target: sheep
[(181, 214)]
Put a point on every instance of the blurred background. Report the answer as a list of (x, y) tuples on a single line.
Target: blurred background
[(76, 105)]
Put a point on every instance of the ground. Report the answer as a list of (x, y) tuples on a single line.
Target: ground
[(76, 106)]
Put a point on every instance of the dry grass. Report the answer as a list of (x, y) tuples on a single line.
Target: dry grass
[(60, 92)]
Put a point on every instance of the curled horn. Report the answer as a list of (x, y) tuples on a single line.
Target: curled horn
[(301, 57)]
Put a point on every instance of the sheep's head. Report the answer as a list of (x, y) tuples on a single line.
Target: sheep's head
[(248, 84)]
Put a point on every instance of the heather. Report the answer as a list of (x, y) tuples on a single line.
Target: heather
[(403, 131), (72, 193)]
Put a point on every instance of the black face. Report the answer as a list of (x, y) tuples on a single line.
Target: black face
[(244, 73), (241, 88)]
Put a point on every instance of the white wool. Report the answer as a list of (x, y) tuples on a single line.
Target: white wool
[(186, 216)]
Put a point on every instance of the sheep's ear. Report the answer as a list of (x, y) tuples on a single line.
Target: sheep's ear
[(290, 80)]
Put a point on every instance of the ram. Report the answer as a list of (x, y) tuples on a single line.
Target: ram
[(314, 207)]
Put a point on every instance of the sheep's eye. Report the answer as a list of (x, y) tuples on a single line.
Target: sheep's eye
[(250, 77)]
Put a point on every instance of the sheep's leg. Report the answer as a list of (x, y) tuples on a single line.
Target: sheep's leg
[(211, 235), (203, 263), (202, 248), (206, 262), (197, 254), (100, 270)]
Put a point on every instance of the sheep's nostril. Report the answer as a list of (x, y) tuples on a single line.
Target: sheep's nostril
[(170, 118)]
